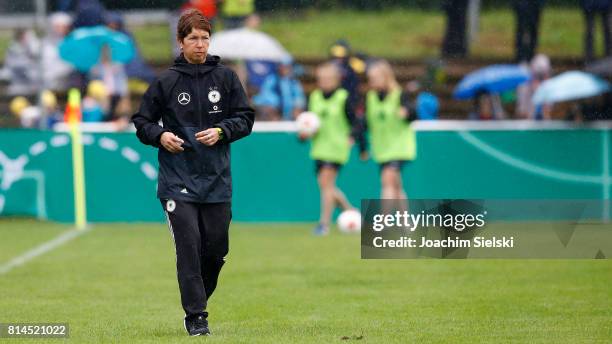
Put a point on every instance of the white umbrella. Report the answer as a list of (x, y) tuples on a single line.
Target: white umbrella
[(247, 44), (570, 86)]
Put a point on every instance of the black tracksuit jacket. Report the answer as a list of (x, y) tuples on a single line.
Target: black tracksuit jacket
[(189, 98)]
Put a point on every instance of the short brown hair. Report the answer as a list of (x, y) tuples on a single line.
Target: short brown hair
[(191, 19)]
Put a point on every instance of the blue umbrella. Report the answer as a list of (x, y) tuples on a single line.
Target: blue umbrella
[(570, 86), (82, 47), (492, 79)]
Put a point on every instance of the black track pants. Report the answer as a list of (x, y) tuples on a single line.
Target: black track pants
[(200, 233)]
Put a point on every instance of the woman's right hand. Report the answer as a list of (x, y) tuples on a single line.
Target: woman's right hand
[(171, 142)]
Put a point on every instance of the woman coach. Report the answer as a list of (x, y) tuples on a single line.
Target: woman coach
[(203, 108)]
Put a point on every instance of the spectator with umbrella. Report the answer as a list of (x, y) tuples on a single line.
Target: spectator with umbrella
[(256, 49), (83, 48), (254, 45), (485, 85), (570, 86), (525, 108)]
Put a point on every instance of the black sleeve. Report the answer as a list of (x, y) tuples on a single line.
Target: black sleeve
[(240, 122), (406, 103), (146, 120), (357, 126)]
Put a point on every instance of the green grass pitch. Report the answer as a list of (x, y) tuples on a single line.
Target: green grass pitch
[(117, 283)]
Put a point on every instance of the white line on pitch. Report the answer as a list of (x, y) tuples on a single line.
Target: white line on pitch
[(41, 249), (527, 166)]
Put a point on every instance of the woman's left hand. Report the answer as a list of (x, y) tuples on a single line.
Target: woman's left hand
[(208, 137)]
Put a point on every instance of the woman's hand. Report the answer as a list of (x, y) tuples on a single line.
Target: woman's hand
[(171, 142), (208, 137)]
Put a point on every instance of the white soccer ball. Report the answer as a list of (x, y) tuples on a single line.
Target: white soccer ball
[(349, 221), (307, 123)]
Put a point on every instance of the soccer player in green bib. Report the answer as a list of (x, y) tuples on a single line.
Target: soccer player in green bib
[(392, 139), (331, 145)]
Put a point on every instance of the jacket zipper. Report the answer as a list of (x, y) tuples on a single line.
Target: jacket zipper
[(198, 97)]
